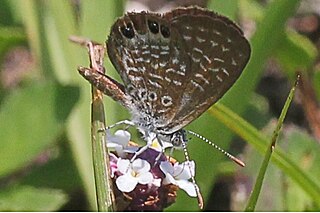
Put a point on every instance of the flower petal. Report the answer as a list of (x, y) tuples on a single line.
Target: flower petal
[(126, 183), (157, 182), (111, 140), (187, 187), (123, 165), (166, 167), (140, 166), (169, 179), (123, 137), (184, 170), (120, 138), (145, 178)]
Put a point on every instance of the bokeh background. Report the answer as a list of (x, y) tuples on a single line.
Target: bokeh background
[(45, 148)]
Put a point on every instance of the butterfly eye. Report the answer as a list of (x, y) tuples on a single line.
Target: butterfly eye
[(176, 141), (153, 26), (127, 31), (165, 31)]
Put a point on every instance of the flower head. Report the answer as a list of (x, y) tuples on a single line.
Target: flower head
[(149, 182)]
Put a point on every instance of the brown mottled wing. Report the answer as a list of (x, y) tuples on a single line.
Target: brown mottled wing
[(218, 53), (150, 64), (175, 72)]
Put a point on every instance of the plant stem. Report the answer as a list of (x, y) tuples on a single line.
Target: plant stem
[(103, 182)]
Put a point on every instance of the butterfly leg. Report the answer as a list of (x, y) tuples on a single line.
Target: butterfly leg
[(106, 85), (126, 122), (95, 74)]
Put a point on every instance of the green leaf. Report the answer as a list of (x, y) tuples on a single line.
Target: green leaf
[(9, 37), (228, 8), (31, 119), (302, 149), (253, 9), (59, 172), (27, 198)]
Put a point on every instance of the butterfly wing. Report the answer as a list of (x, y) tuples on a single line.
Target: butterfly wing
[(177, 65), (218, 53)]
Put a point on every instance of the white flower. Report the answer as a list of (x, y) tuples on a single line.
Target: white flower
[(133, 173), (119, 142), (179, 174)]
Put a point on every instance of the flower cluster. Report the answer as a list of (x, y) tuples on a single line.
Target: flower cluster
[(149, 181)]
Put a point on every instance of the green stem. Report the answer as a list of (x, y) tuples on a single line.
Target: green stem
[(100, 157), (101, 165)]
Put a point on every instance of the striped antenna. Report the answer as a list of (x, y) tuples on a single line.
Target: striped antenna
[(236, 160), (199, 196)]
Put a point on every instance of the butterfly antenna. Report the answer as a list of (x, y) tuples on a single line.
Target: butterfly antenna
[(199, 196), (236, 160)]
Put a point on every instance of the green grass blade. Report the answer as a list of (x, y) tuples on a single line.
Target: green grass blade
[(260, 143), (258, 185)]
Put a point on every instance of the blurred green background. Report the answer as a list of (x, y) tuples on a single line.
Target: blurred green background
[(45, 148)]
